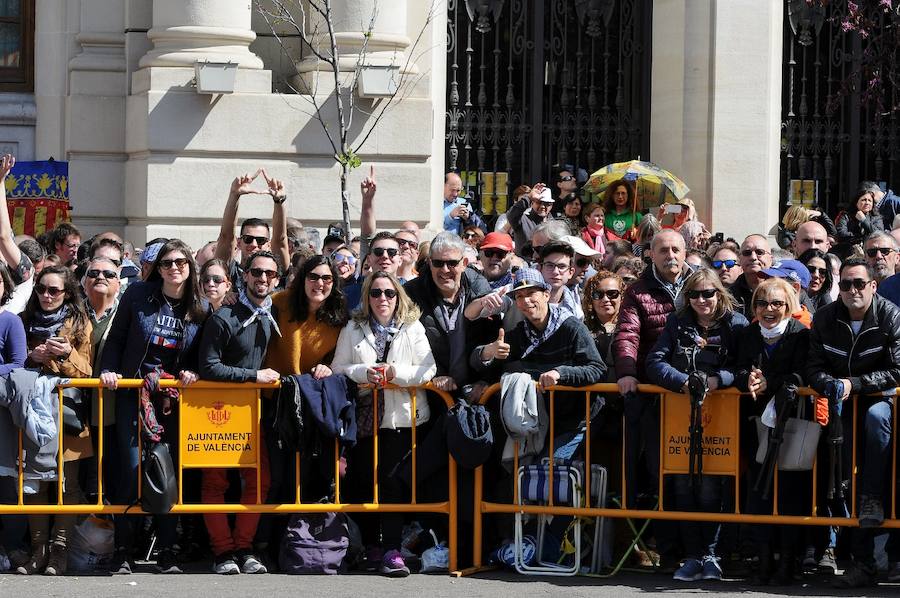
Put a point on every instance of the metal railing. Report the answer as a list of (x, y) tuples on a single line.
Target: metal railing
[(239, 394), (484, 507)]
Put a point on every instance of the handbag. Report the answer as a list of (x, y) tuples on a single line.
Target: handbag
[(365, 413), (799, 445)]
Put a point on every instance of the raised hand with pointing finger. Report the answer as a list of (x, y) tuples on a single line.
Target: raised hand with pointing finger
[(498, 349)]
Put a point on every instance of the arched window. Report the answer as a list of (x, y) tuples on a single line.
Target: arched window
[(16, 45)]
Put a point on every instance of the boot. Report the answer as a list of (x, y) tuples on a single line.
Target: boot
[(37, 562), (764, 571), (59, 560)]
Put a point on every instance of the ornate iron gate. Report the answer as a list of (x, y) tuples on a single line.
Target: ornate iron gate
[(535, 83), (825, 155)]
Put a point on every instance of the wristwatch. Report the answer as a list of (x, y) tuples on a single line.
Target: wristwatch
[(279, 201)]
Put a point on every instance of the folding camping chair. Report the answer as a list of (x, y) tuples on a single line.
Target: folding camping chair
[(534, 487)]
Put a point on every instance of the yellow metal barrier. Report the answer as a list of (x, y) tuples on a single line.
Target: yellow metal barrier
[(229, 407), (726, 407)]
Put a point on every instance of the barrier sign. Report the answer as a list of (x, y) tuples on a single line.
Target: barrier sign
[(218, 427), (721, 417)]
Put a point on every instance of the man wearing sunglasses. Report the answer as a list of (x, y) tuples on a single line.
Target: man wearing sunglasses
[(854, 354), (496, 257), (232, 349), (442, 294), (756, 256), (254, 233), (527, 213), (384, 256), (727, 265), (881, 253)]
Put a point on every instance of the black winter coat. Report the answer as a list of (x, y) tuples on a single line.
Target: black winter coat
[(786, 359), (870, 359)]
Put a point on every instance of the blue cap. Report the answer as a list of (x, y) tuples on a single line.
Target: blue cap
[(526, 278), (150, 253), (791, 270)]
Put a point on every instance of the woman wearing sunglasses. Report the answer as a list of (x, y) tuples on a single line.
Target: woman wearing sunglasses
[(214, 282), (701, 334), (345, 259), (771, 352), (821, 279), (310, 315), (601, 302), (58, 335), (156, 328), (386, 343)]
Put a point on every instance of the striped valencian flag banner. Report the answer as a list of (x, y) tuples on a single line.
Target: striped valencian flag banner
[(37, 196)]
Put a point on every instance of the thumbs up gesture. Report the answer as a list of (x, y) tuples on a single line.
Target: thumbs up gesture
[(497, 349)]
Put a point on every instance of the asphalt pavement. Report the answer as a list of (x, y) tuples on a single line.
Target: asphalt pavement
[(489, 585)]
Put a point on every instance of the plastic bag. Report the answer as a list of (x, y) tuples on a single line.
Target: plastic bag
[(437, 558), (91, 546)]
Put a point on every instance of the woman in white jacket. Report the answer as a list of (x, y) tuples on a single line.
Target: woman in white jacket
[(385, 343)]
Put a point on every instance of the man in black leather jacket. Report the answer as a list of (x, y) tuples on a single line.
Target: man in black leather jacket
[(855, 346)]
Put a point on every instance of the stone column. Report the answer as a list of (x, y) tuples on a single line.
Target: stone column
[(386, 46), (716, 107), (185, 31)]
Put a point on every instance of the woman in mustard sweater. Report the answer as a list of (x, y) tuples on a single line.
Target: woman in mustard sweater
[(310, 316)]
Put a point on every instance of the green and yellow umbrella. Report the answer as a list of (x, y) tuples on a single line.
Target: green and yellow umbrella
[(654, 185)]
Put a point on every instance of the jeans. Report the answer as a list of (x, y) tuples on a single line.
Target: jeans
[(12, 536), (699, 538)]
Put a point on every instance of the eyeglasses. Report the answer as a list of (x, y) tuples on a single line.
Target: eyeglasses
[(326, 278), (380, 251), (813, 270), (556, 265), (377, 293), (873, 251), (856, 283), (110, 274), (567, 178), (749, 252), (214, 278), (179, 262), (727, 263), (342, 257), (705, 293), (450, 264), (250, 239), (536, 249), (763, 304), (42, 289), (404, 243), (258, 273), (470, 235), (583, 262), (495, 253), (611, 294), (629, 279)]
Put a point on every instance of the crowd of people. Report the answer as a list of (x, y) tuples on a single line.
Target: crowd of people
[(559, 291)]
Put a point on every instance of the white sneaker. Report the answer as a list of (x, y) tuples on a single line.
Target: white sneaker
[(225, 565)]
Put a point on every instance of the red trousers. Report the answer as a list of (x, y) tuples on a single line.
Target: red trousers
[(215, 483)]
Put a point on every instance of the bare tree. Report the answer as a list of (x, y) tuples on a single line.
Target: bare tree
[(312, 21)]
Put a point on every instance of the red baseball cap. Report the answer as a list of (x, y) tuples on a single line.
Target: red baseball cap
[(497, 240)]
